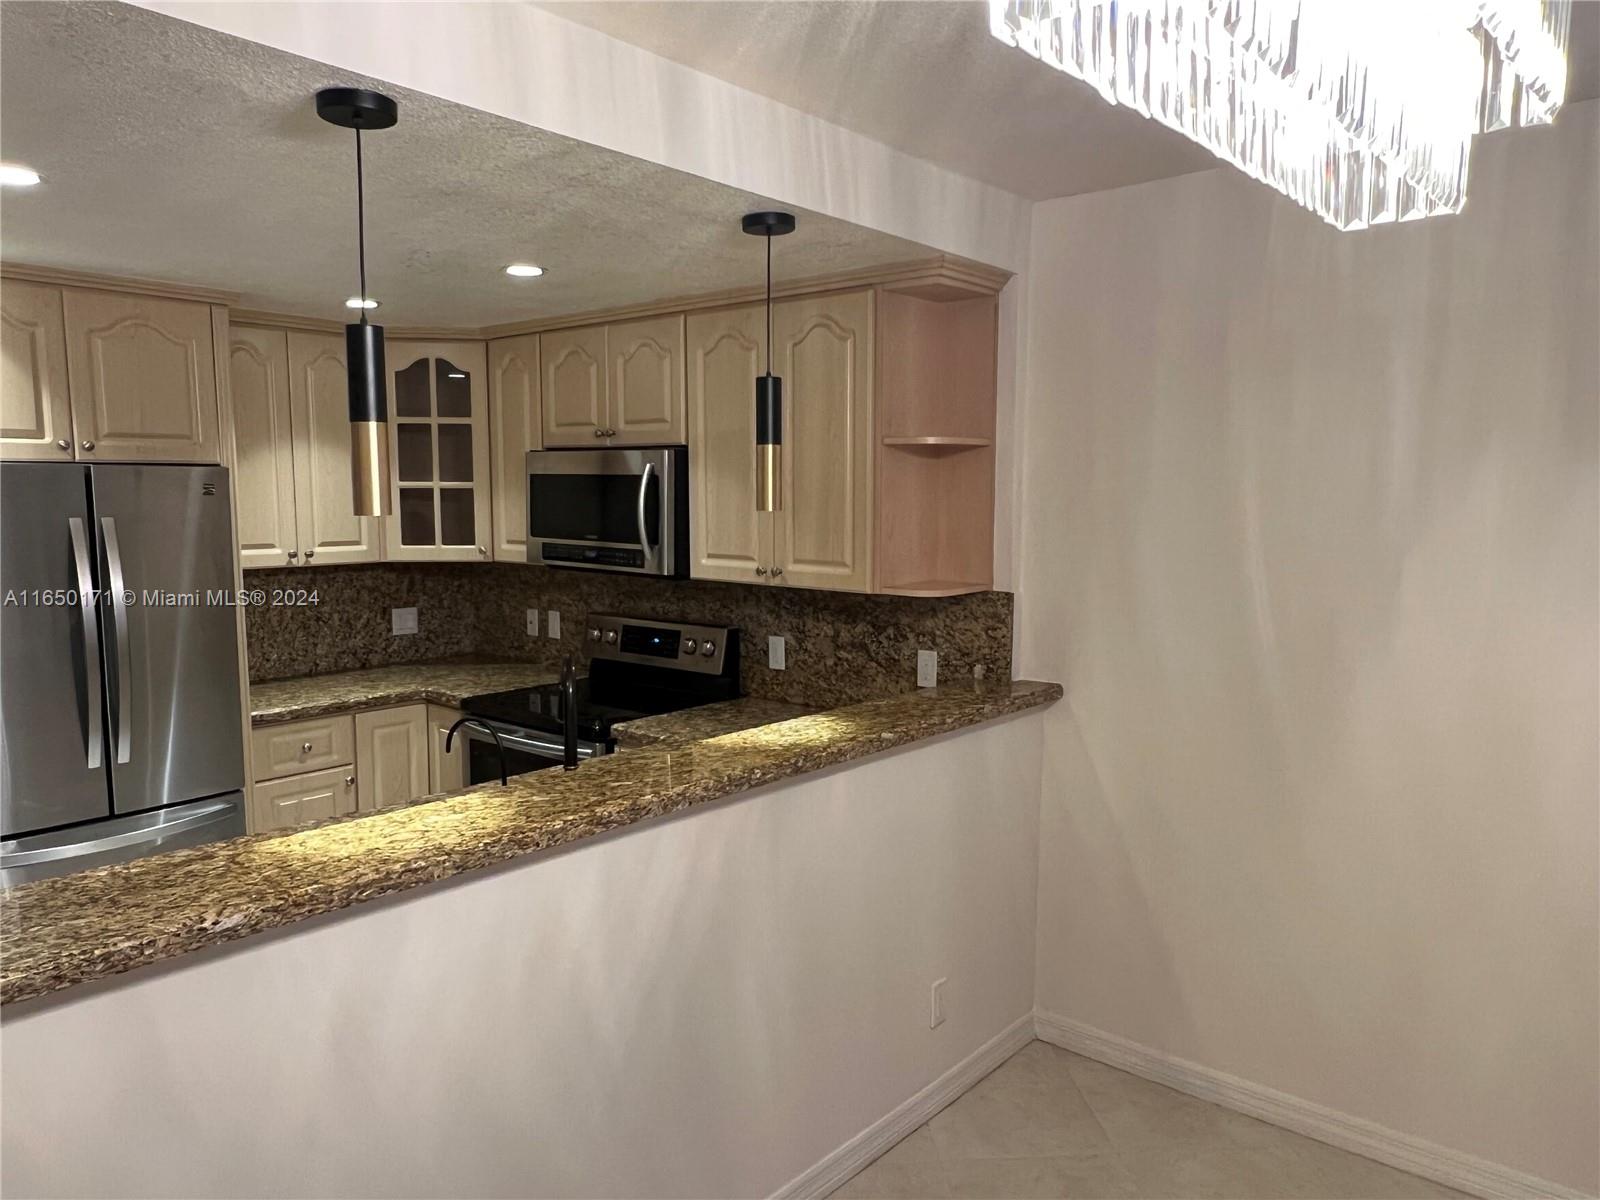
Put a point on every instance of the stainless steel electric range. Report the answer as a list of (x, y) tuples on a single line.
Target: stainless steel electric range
[(636, 668)]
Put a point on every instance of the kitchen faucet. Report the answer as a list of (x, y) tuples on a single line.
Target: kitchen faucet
[(499, 747), (569, 714)]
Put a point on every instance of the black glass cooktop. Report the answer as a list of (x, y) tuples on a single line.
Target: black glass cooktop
[(541, 708)]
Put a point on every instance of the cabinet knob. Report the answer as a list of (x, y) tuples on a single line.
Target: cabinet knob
[(349, 781), (310, 554), (611, 433), (483, 552), (305, 747), (776, 571), (63, 444), (599, 433), (293, 554), (86, 445), (761, 570)]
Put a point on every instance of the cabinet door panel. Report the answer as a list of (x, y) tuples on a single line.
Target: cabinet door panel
[(574, 384), (35, 409), (446, 772), (328, 530), (263, 488), (438, 453), (302, 800), (142, 376), (824, 352), (391, 756), (646, 381), (513, 431), (728, 538)]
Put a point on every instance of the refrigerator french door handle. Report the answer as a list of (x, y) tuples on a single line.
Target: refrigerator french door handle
[(644, 534), (91, 639), (119, 610)]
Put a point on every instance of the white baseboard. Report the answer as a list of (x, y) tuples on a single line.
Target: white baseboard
[(841, 1164), (1453, 1168)]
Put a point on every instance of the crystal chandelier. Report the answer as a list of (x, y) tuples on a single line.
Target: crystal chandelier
[(1363, 111)]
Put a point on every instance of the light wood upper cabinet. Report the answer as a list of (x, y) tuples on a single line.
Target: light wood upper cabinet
[(263, 478), (446, 772), (728, 538), (646, 392), (142, 374), (328, 531), (35, 407), (822, 348), (513, 431), (391, 756), (438, 452), (575, 386)]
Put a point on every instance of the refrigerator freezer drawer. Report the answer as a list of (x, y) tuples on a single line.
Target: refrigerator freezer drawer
[(120, 839)]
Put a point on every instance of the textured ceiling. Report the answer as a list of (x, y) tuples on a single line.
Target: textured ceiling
[(170, 151), (926, 77)]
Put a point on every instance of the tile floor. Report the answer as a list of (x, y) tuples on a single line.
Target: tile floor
[(1048, 1123)]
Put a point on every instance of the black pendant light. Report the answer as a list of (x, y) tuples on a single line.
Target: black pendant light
[(355, 108), (769, 388)]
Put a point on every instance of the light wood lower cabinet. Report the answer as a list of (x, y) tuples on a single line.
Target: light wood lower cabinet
[(391, 756), (302, 799), (35, 408), (301, 746), (513, 431), (446, 772)]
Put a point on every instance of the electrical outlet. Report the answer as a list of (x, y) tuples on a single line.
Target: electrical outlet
[(553, 623), (533, 622), (936, 1004), (402, 621), (927, 668), (775, 655)]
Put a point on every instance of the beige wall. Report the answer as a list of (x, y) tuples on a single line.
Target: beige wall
[(1310, 534), (702, 1006)]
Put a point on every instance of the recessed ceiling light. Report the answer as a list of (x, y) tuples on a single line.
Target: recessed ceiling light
[(524, 270), (17, 175), (358, 302)]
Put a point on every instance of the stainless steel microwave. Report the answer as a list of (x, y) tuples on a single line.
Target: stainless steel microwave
[(610, 510)]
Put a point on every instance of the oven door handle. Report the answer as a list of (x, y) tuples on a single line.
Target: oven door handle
[(526, 742), (644, 535)]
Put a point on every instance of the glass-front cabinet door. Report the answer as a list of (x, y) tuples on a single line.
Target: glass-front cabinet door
[(438, 452)]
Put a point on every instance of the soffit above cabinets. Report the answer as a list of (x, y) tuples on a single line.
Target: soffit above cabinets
[(173, 152)]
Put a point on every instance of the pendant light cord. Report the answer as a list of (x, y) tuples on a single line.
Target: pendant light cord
[(769, 302), (361, 228)]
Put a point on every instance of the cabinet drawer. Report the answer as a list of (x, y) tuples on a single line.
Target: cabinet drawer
[(293, 749), (302, 800)]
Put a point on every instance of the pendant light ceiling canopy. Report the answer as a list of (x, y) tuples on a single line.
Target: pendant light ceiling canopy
[(769, 388), (359, 109)]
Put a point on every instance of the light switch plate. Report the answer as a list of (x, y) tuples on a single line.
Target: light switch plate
[(927, 668), (533, 622), (775, 654), (402, 621), (553, 622)]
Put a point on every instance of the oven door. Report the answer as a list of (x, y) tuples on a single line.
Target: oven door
[(525, 751), (609, 510)]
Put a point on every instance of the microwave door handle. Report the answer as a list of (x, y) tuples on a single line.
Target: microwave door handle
[(91, 639), (119, 610), (644, 535)]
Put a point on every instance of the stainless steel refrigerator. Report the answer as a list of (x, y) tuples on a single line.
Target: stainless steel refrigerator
[(120, 724)]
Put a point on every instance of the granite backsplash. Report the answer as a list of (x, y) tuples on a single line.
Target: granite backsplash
[(841, 647)]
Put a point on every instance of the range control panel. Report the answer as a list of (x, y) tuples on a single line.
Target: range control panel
[(700, 648)]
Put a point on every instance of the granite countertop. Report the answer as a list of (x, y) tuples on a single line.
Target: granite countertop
[(708, 720), (347, 691), (102, 922)]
